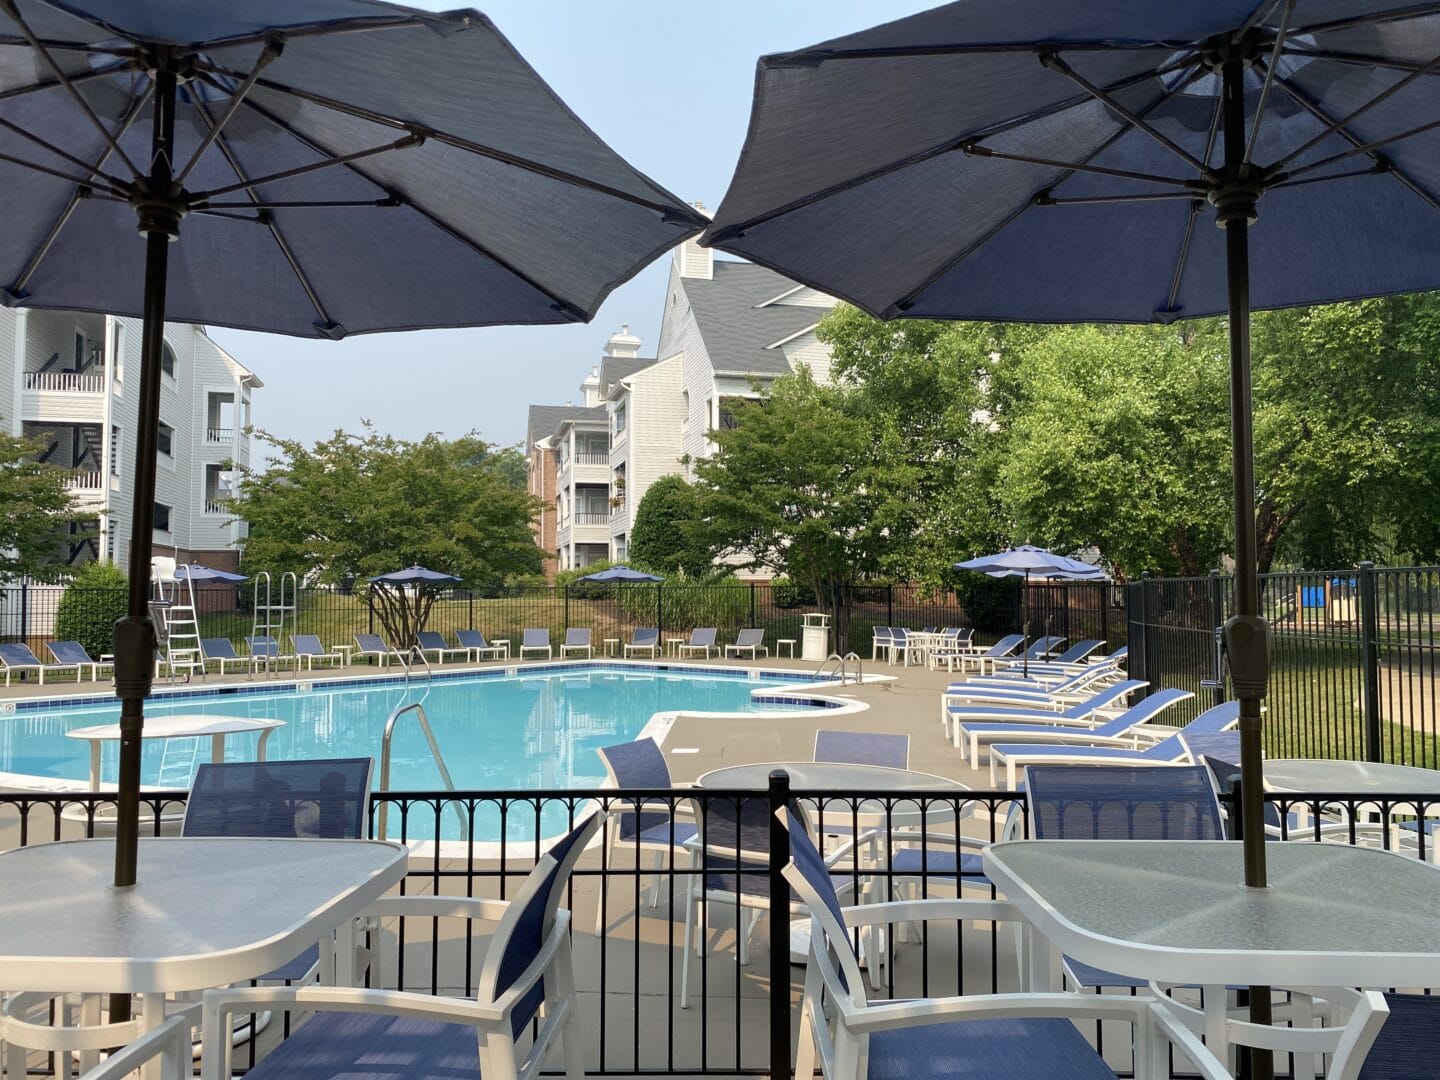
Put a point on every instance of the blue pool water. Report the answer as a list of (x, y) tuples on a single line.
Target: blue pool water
[(529, 732)]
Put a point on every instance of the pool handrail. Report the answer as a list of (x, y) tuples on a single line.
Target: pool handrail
[(418, 708)]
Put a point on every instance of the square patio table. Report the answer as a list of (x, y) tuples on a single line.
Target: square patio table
[(1179, 912)]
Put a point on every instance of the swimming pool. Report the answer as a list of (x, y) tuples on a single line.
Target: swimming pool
[(537, 729)]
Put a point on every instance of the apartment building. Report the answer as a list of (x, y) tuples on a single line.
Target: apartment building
[(63, 380)]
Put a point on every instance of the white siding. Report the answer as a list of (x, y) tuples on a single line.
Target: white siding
[(807, 349), (656, 412), (680, 337), (11, 372), (808, 297)]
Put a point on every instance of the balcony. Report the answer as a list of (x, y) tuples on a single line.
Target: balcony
[(592, 518), (214, 507), (219, 435), (593, 459), (67, 381), (63, 396)]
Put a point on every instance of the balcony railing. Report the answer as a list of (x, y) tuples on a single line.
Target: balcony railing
[(593, 459), (71, 381), (83, 480), (592, 518), (219, 434), (213, 506)]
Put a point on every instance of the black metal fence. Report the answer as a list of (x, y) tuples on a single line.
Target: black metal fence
[(29, 612), (1353, 656)]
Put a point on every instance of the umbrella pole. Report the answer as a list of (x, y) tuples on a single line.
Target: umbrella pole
[(1025, 623), (135, 633), (1246, 633)]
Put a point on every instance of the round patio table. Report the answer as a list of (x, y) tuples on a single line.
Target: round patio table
[(1331, 774)]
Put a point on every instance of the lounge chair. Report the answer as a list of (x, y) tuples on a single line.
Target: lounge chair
[(376, 646), (1039, 649), (536, 640), (1076, 752), (307, 647), (1036, 695), (432, 641), (265, 650), (479, 648), (983, 661), (863, 748), (702, 640), (73, 654), (353, 1031), (752, 640), (220, 650), (577, 638), (645, 824), (17, 657), (967, 725), (982, 1037), (646, 639)]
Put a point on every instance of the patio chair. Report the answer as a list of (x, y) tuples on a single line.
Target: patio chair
[(900, 646), (221, 651), (536, 640), (638, 765), (975, 731), (982, 661), (1039, 649), (577, 638), (646, 639), (966, 725), (72, 653), (863, 748), (264, 649), (751, 639), (998, 691), (474, 641), (880, 640), (980, 1037), (307, 648), (958, 642), (1045, 677), (701, 640), (432, 641), (1077, 751), (376, 646), (17, 657), (526, 974)]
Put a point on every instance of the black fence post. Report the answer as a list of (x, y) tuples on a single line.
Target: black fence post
[(1138, 635), (1370, 660), (566, 590), (24, 612), (1217, 620), (470, 609), (1065, 619), (890, 605), (1103, 591), (752, 606), (779, 798)]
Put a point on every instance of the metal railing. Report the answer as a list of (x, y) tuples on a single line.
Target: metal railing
[(386, 745), (68, 381)]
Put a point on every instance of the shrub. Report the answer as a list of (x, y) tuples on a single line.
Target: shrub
[(990, 602), (89, 607), (785, 593)]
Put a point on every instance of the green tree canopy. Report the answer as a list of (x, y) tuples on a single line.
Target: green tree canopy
[(664, 539), (35, 508), (354, 506)]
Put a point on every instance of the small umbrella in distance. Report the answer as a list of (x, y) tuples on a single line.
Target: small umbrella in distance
[(620, 573), (403, 599)]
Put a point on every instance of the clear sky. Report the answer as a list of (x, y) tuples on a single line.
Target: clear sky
[(667, 83)]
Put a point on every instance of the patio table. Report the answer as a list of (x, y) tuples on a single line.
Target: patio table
[(204, 913), (186, 725), (1359, 777)]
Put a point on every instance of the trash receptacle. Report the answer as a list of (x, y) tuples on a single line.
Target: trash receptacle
[(814, 636)]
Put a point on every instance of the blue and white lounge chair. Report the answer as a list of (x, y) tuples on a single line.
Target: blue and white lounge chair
[(969, 725), (432, 641), (642, 825), (479, 648), (376, 646), (17, 657), (880, 638), (701, 640), (308, 649), (980, 1037), (536, 639), (751, 640), (646, 639), (863, 748), (265, 650), (73, 654), (368, 1032), (985, 661), (1077, 751), (1036, 654), (220, 650), (578, 639), (1067, 692)]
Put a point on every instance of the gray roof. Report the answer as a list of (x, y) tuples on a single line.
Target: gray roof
[(735, 330), (615, 368), (545, 420)]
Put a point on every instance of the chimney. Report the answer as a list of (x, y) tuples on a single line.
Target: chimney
[(695, 261), (622, 345), (591, 387)]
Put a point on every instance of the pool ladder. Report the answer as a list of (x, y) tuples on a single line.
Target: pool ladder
[(418, 708), (839, 665)]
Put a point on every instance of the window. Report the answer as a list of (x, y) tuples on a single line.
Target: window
[(79, 351), (162, 517), (167, 359), (165, 440), (619, 420), (114, 451)]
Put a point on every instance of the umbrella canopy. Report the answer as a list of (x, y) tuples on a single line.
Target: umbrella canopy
[(1027, 561), (414, 575), (1039, 161), (204, 575), (620, 573), (328, 167)]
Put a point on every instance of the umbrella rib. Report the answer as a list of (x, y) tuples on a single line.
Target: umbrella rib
[(207, 206), (730, 232), (1303, 100), (78, 181), (976, 150), (50, 84), (10, 8), (1182, 260), (117, 183), (200, 198), (264, 60), (561, 305), (1266, 87), (816, 57), (63, 217), (1395, 15), (1362, 148), (1355, 59), (1360, 110), (479, 149)]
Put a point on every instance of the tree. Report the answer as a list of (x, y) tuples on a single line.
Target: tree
[(799, 485), (89, 608), (34, 509), (664, 539), (354, 506)]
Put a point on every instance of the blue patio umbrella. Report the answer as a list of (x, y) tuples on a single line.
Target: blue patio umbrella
[(620, 573), (314, 167), (1026, 561), (205, 575), (415, 575), (1043, 161)]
